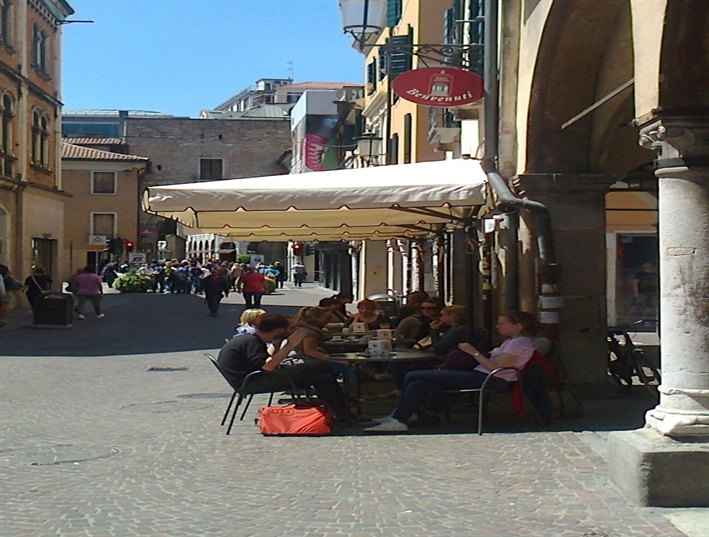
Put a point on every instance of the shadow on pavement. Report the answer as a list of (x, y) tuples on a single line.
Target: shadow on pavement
[(134, 324)]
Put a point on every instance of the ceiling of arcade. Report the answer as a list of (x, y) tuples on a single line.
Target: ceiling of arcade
[(585, 54)]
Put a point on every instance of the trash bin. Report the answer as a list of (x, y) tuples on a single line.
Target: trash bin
[(53, 310), (387, 303)]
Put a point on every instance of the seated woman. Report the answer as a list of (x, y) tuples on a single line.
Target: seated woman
[(515, 351), (249, 321), (311, 319), (450, 330), (367, 313)]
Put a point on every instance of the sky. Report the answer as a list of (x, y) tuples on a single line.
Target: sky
[(182, 56)]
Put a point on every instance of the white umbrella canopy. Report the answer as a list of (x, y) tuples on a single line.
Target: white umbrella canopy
[(384, 201)]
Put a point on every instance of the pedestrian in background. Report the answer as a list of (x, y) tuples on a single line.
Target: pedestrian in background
[(36, 283), (215, 287), (252, 284), (89, 288)]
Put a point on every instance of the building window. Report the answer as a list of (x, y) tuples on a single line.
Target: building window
[(40, 139), (39, 49), (393, 153), (5, 21), (407, 139), (293, 97), (372, 77), (6, 134), (103, 183), (210, 169), (103, 224), (393, 12)]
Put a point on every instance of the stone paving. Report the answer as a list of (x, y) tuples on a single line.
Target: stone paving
[(93, 444)]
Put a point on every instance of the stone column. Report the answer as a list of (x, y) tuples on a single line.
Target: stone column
[(667, 463)]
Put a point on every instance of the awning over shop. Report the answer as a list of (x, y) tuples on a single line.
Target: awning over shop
[(385, 201)]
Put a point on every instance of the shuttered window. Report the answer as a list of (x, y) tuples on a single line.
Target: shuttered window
[(393, 12)]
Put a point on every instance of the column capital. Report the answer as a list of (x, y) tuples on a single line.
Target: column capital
[(678, 140)]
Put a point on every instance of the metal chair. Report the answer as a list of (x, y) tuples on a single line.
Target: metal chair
[(242, 391), (481, 395)]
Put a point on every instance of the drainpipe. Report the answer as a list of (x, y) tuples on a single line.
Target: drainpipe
[(506, 200)]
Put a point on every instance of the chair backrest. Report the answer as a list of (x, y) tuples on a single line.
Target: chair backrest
[(221, 371)]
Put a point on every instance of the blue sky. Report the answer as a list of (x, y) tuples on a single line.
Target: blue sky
[(181, 56)]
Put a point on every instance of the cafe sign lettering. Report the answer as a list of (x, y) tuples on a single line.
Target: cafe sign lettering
[(439, 86)]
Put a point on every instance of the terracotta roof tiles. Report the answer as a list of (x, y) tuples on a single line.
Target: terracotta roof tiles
[(77, 152)]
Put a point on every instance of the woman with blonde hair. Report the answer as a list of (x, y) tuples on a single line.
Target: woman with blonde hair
[(249, 321), (311, 319)]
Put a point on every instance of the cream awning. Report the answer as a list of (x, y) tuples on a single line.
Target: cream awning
[(384, 201)]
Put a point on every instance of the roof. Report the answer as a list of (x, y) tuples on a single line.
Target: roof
[(95, 141), (77, 152), (113, 113), (316, 86)]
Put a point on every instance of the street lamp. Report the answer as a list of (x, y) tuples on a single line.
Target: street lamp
[(363, 18), (369, 147)]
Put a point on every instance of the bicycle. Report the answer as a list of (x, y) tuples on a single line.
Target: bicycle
[(626, 360)]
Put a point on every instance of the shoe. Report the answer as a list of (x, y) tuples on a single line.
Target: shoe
[(100, 316), (81, 317), (390, 395), (383, 376), (412, 419), (390, 426)]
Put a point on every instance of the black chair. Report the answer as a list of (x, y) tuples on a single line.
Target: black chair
[(244, 393), (485, 387)]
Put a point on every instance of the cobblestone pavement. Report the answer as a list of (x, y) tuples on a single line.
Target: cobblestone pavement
[(95, 445)]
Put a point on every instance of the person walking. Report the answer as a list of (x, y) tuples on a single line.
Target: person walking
[(282, 276), (36, 283), (215, 287), (299, 274), (89, 288), (252, 285)]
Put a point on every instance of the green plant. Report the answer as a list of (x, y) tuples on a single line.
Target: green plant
[(131, 282), (270, 285), (243, 258)]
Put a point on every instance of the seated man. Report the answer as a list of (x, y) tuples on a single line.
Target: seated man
[(246, 353)]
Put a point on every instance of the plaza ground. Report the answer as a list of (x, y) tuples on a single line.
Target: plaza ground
[(94, 443)]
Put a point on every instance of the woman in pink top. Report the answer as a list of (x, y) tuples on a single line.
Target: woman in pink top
[(89, 287), (470, 370)]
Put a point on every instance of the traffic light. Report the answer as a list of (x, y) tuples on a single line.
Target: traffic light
[(297, 248), (309, 249), (129, 246)]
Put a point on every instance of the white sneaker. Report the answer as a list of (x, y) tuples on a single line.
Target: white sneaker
[(100, 316), (390, 426), (388, 417), (81, 317)]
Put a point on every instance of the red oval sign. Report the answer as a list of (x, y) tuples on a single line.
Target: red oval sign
[(439, 86)]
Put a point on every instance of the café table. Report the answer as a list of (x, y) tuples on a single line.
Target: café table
[(355, 360)]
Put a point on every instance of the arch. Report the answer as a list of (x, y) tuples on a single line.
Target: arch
[(684, 60), (585, 53)]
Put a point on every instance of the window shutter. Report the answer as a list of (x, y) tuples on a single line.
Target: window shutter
[(399, 60), (393, 12)]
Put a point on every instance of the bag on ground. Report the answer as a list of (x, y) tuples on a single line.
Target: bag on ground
[(291, 420)]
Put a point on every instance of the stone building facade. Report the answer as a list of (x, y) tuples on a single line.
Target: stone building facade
[(31, 192)]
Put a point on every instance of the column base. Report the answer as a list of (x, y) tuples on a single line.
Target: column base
[(653, 470), (678, 424)]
